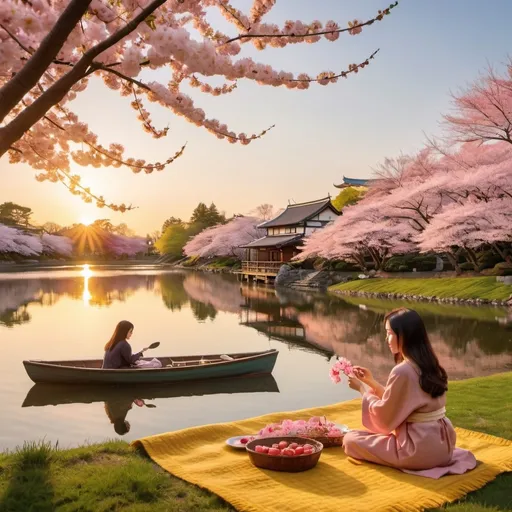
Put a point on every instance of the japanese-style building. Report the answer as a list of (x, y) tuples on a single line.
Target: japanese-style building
[(354, 182), (285, 233)]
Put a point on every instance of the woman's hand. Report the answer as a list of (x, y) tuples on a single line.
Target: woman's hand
[(356, 384), (364, 375)]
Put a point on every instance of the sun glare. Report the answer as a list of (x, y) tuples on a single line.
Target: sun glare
[(86, 221)]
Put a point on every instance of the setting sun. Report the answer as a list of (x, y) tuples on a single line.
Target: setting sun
[(86, 221)]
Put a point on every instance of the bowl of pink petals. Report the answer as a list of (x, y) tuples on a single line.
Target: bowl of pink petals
[(318, 428)]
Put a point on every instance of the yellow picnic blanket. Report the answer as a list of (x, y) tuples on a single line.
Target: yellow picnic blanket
[(200, 456)]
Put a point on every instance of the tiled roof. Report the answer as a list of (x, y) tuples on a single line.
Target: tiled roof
[(273, 241), (354, 182), (296, 213)]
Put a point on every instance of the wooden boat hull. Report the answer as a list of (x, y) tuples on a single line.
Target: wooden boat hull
[(41, 395), (90, 372)]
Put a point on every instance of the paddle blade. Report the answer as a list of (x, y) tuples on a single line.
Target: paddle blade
[(154, 345)]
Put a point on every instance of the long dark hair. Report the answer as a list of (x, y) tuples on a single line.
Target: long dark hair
[(120, 333), (414, 344)]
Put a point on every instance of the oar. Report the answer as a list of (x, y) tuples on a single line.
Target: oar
[(139, 402), (153, 345)]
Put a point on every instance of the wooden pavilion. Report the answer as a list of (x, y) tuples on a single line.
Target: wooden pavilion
[(284, 235)]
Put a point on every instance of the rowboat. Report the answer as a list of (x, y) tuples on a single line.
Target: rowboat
[(179, 368), (41, 395)]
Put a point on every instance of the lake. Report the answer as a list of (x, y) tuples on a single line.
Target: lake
[(71, 313)]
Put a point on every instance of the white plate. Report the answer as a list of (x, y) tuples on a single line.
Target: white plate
[(343, 428), (234, 442)]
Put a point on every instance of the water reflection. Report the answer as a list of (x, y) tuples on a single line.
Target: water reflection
[(469, 341), (86, 294), (118, 401)]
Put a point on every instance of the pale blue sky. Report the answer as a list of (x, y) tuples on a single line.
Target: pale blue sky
[(428, 48)]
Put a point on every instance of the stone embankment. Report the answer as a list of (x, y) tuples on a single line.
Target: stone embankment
[(301, 279)]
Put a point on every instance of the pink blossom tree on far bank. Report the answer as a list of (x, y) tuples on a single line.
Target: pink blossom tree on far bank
[(50, 51), (16, 242), (453, 198), (225, 239)]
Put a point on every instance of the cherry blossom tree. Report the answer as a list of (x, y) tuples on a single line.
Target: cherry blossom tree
[(483, 112), (225, 239), (50, 51), (360, 233), (54, 244), (469, 226), (120, 245), (14, 241)]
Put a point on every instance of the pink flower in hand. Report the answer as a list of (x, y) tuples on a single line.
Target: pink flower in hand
[(342, 365)]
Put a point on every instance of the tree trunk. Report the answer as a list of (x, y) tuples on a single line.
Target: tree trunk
[(502, 253), (453, 260), (359, 259), (473, 258), (375, 257), (14, 90)]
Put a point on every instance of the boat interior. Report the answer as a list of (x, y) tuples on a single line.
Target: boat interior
[(167, 362)]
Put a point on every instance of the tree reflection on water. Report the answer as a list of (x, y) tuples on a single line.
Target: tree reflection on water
[(469, 341)]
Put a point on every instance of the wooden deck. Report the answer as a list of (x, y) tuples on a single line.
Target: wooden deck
[(260, 270)]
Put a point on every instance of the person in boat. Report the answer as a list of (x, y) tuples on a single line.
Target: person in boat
[(118, 352), (406, 419)]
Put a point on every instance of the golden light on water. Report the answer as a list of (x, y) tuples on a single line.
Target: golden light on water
[(86, 295)]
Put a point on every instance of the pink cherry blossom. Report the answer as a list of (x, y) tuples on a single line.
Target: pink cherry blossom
[(225, 239), (118, 43), (341, 365)]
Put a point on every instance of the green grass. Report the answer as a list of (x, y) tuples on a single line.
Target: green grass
[(110, 476), (445, 287), (482, 313), (97, 478)]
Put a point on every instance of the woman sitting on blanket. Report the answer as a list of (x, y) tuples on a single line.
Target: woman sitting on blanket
[(406, 418)]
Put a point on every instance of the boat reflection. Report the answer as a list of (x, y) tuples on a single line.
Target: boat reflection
[(119, 400)]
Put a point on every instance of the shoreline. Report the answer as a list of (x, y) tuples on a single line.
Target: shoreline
[(470, 291), (39, 476), (420, 298), (66, 265)]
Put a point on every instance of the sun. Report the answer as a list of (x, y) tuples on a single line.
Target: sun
[(86, 221)]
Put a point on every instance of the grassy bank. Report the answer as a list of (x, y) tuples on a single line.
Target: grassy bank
[(481, 313), (486, 288), (110, 476)]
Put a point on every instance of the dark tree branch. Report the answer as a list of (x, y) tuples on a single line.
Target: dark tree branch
[(53, 95), (242, 37), (14, 90)]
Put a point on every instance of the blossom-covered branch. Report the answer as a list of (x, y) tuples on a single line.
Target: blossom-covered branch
[(50, 51)]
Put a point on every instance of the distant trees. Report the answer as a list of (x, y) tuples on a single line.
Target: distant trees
[(176, 233), (264, 212), (18, 243), (348, 196), (207, 216), (171, 221), (12, 214), (51, 228)]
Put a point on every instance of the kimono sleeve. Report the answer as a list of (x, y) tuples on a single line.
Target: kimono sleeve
[(402, 396)]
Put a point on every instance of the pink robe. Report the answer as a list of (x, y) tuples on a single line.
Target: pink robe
[(426, 449)]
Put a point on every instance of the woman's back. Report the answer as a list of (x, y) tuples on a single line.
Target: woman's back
[(118, 356)]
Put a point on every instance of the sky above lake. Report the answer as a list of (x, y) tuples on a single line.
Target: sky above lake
[(428, 49)]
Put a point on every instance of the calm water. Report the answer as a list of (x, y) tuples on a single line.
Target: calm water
[(69, 314)]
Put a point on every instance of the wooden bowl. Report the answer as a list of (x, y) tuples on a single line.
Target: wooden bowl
[(329, 442), (282, 462)]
